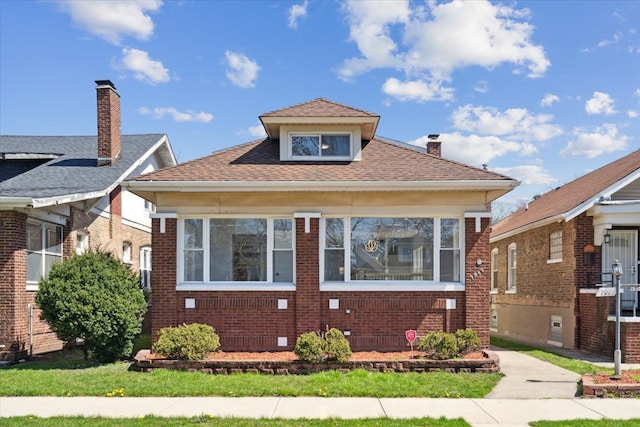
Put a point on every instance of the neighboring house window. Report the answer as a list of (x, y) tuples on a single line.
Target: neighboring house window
[(149, 207), (145, 268), (44, 248), (237, 250), (512, 265), (126, 252), (494, 270), (391, 249), (320, 145), (82, 242), (555, 246)]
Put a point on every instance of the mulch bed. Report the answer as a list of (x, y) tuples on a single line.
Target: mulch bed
[(603, 385)]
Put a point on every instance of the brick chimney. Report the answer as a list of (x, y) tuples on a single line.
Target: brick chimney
[(108, 123), (434, 146)]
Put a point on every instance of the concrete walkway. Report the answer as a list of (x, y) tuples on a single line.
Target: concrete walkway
[(530, 391)]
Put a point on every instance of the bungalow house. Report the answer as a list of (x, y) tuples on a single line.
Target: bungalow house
[(551, 264), (321, 224), (61, 195)]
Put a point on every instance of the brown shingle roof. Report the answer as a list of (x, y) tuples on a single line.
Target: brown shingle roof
[(319, 107), (570, 196), (382, 160)]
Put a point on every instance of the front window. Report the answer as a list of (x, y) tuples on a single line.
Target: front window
[(44, 248), (237, 250), (511, 280), (391, 249), (145, 267), (325, 145)]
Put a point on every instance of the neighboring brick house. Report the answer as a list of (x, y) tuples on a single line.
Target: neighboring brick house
[(60, 195), (321, 225), (550, 257)]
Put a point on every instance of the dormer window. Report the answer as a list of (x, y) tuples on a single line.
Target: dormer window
[(326, 145)]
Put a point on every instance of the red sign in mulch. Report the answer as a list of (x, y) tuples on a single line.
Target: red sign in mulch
[(411, 335)]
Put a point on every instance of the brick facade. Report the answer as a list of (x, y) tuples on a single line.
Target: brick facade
[(20, 326), (374, 320)]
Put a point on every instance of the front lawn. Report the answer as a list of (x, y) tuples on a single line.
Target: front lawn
[(76, 377)]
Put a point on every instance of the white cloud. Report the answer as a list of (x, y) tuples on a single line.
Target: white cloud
[(516, 122), (549, 99), (296, 12), (482, 86), (528, 174), (420, 40), (637, 93), (144, 68), (111, 19), (603, 139), (177, 116), (417, 90), (632, 114), (472, 149), (257, 131), (600, 103), (241, 70)]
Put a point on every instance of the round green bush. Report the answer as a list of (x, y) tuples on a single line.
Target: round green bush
[(187, 342), (467, 340), (439, 345), (310, 347), (96, 298), (336, 345)]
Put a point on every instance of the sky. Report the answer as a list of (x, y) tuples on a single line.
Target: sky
[(541, 91)]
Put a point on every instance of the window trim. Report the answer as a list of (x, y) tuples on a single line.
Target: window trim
[(512, 265), (494, 271), (393, 285), (554, 243), (291, 134), (206, 285), (31, 285), (145, 252)]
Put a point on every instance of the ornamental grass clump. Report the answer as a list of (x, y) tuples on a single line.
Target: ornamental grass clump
[(187, 342)]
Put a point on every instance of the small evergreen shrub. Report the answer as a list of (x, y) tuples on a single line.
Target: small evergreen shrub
[(467, 340), (187, 342), (439, 345), (336, 345), (96, 298), (310, 347)]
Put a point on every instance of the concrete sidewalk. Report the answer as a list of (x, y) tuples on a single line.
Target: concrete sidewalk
[(531, 390)]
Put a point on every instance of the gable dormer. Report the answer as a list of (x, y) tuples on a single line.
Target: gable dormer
[(320, 130)]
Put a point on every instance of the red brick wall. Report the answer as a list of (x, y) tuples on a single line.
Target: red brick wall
[(12, 273), (307, 277), (163, 278), (478, 278)]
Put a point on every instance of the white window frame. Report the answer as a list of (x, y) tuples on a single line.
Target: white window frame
[(82, 242), (512, 268), (43, 252), (126, 252), (494, 270), (145, 267), (555, 247), (206, 284), (319, 134), (392, 285)]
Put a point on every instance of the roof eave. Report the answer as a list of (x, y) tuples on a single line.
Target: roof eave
[(272, 124), (533, 225)]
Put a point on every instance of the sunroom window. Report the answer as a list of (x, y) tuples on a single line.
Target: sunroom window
[(391, 249), (320, 145), (237, 250)]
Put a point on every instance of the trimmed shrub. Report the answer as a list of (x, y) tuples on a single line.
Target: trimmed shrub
[(336, 345), (310, 347), (467, 340), (439, 345), (187, 342), (96, 298)]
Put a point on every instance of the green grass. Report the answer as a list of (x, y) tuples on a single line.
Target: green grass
[(205, 420), (588, 423), (76, 377), (578, 366)]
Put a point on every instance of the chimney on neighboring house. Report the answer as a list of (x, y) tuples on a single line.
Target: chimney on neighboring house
[(109, 139), (433, 145)]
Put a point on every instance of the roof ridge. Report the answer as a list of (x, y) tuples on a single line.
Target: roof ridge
[(329, 101)]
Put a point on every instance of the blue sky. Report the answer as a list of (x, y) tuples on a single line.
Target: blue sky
[(543, 91)]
